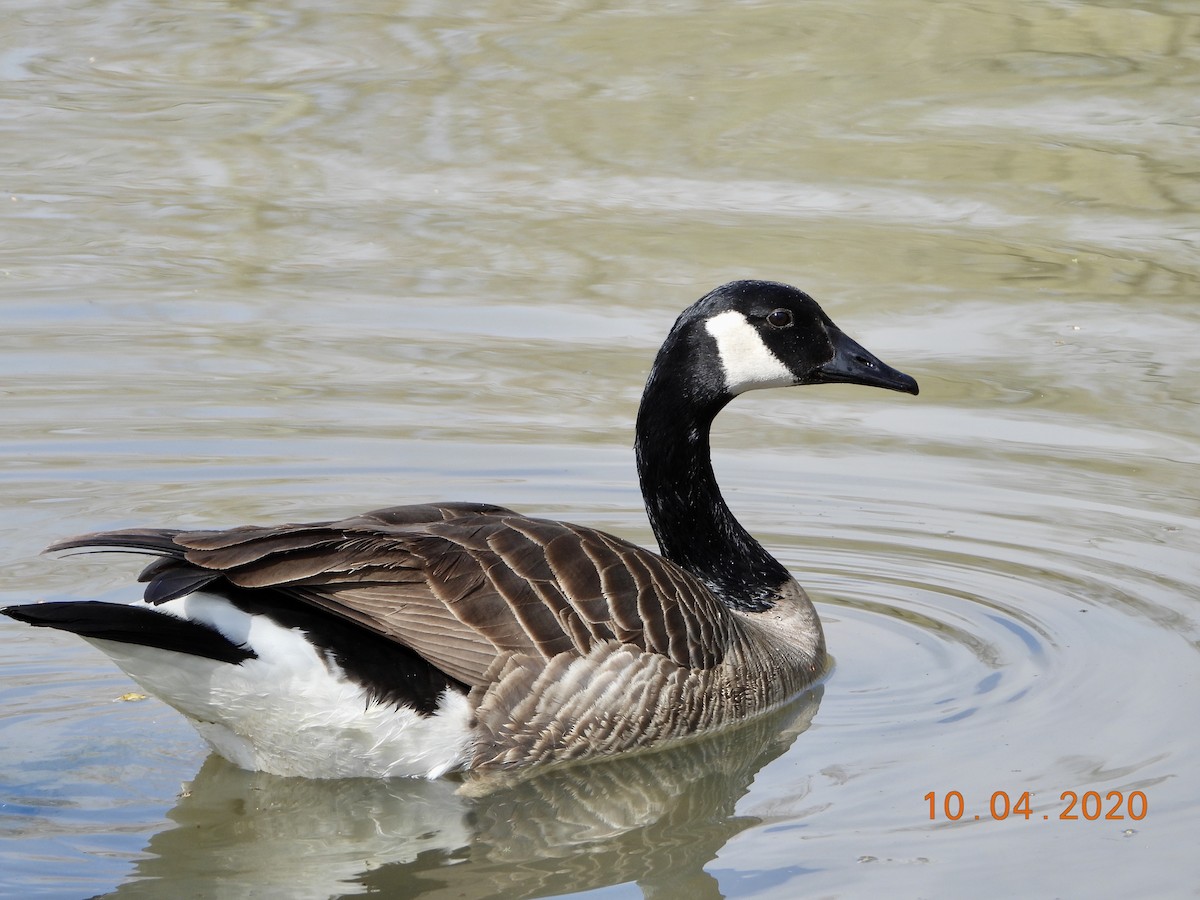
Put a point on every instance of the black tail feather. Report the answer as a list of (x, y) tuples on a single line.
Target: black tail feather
[(138, 540), (132, 625)]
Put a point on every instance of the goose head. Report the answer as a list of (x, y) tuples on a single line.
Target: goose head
[(747, 335)]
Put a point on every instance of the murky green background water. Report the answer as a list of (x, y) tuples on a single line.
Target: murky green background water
[(277, 262)]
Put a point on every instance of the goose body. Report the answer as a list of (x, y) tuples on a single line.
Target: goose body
[(417, 640)]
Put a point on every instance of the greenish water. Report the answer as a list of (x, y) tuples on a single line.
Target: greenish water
[(265, 264)]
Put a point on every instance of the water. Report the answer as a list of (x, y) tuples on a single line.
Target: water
[(273, 264)]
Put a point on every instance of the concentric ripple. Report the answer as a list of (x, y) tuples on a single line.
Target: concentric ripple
[(990, 641)]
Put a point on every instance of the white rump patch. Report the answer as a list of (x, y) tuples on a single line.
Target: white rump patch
[(747, 362), (291, 711)]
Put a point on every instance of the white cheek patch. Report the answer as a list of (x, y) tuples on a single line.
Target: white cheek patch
[(747, 362)]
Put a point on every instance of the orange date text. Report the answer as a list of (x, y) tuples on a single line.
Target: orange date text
[(1090, 806)]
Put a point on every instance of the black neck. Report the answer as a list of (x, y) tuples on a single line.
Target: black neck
[(691, 521)]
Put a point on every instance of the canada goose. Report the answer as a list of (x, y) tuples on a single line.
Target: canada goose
[(418, 640)]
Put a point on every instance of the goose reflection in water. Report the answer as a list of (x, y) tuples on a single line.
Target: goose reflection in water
[(656, 818)]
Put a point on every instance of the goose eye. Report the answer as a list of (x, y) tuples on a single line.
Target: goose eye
[(779, 318)]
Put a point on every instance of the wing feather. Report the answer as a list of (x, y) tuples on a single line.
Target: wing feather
[(463, 585)]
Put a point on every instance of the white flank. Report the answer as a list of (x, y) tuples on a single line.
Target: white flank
[(291, 711), (747, 362)]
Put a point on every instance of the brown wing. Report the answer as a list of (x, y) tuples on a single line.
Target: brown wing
[(461, 584)]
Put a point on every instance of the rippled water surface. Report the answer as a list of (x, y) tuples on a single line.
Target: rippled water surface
[(272, 263)]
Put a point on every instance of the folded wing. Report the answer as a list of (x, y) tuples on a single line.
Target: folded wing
[(462, 585)]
